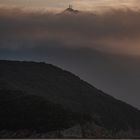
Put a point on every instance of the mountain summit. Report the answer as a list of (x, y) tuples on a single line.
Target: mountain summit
[(70, 10)]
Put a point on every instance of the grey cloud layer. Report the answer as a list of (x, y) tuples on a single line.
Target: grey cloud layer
[(112, 30), (79, 4)]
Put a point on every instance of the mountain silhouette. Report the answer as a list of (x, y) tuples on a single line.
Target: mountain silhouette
[(42, 97), (70, 10)]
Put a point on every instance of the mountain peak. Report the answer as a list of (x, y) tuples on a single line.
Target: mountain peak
[(71, 10)]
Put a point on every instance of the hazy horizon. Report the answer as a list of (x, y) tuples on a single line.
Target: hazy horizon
[(88, 5)]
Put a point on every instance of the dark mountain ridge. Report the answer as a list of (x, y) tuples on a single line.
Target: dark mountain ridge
[(35, 89)]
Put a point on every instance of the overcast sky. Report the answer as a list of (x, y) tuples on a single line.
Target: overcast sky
[(79, 4)]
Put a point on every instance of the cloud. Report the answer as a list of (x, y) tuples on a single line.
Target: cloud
[(80, 4), (113, 31)]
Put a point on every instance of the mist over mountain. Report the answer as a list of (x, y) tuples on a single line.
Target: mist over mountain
[(102, 49), (41, 100), (41, 97)]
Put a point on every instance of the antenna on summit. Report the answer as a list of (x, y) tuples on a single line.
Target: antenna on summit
[(70, 6)]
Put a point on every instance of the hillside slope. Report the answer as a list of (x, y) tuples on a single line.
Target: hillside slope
[(34, 89)]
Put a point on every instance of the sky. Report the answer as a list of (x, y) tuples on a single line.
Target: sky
[(78, 4), (102, 49)]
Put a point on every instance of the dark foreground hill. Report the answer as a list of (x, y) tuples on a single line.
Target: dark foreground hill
[(42, 98)]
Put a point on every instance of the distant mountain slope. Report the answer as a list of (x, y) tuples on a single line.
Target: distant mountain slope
[(36, 87)]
